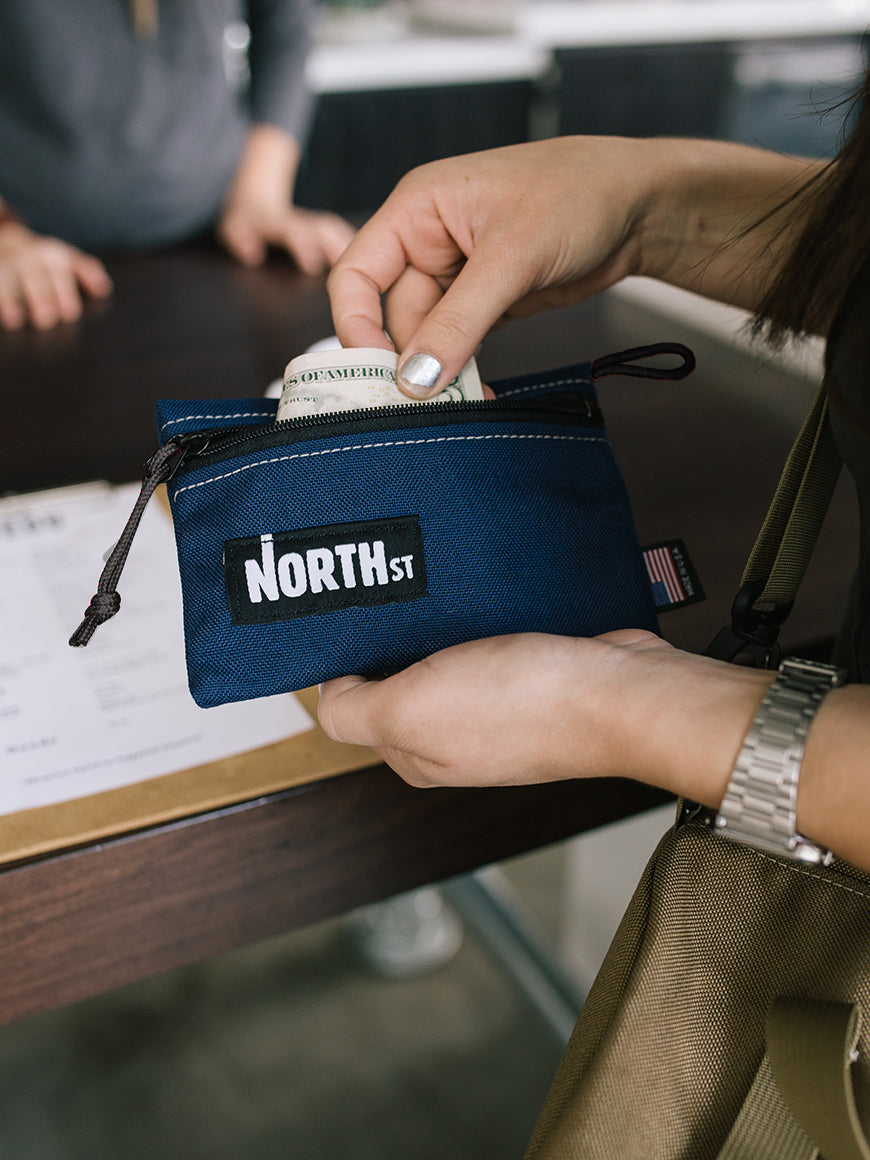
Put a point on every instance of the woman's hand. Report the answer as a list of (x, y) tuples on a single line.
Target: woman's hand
[(534, 707), (43, 280), (464, 243)]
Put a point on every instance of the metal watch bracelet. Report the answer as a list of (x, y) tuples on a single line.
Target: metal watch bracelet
[(760, 802)]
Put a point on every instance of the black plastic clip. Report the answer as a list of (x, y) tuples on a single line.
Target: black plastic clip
[(751, 637)]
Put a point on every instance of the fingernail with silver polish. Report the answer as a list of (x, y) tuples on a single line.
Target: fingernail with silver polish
[(420, 374)]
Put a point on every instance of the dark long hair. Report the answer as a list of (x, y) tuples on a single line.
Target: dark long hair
[(834, 239)]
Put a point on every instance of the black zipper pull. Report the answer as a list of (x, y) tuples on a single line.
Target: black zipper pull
[(624, 362), (106, 602)]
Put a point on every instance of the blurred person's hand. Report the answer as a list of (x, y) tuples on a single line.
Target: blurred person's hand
[(314, 240), (43, 281), (259, 212)]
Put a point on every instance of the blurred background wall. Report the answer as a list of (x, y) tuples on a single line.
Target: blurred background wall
[(402, 82)]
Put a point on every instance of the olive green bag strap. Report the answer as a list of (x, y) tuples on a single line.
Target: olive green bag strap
[(791, 528), (801, 1104), (779, 559)]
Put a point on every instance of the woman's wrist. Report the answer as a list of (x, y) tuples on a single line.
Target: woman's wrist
[(718, 706), (680, 719), (713, 209), (833, 804)]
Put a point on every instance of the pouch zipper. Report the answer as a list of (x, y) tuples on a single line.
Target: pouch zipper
[(213, 444), (210, 445)]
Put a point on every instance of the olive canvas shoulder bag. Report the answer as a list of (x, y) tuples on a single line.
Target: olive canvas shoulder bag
[(726, 1020)]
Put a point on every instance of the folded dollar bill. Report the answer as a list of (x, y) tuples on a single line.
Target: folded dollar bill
[(354, 379)]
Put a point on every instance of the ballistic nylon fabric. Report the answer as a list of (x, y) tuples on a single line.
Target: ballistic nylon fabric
[(765, 1128), (525, 523), (672, 1034), (810, 1045)]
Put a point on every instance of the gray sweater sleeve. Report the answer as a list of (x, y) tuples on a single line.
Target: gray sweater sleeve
[(109, 140), (280, 41)]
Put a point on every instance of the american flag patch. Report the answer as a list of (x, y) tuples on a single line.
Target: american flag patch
[(674, 580)]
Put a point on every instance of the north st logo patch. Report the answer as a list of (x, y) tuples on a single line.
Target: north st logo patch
[(280, 575)]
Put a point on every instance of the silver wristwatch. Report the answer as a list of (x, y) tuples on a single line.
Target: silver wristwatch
[(759, 805)]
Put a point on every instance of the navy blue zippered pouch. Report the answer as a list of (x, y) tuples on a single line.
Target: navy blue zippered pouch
[(360, 542)]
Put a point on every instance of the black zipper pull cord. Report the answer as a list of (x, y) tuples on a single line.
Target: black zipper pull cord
[(624, 362), (106, 601)]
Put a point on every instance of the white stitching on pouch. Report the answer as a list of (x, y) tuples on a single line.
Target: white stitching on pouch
[(543, 386), (396, 443), (235, 415)]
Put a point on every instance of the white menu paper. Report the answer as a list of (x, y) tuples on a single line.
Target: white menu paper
[(78, 721)]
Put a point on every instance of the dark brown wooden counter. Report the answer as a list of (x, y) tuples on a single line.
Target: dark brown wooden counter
[(77, 404)]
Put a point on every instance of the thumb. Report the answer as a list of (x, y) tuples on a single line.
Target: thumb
[(456, 325)]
